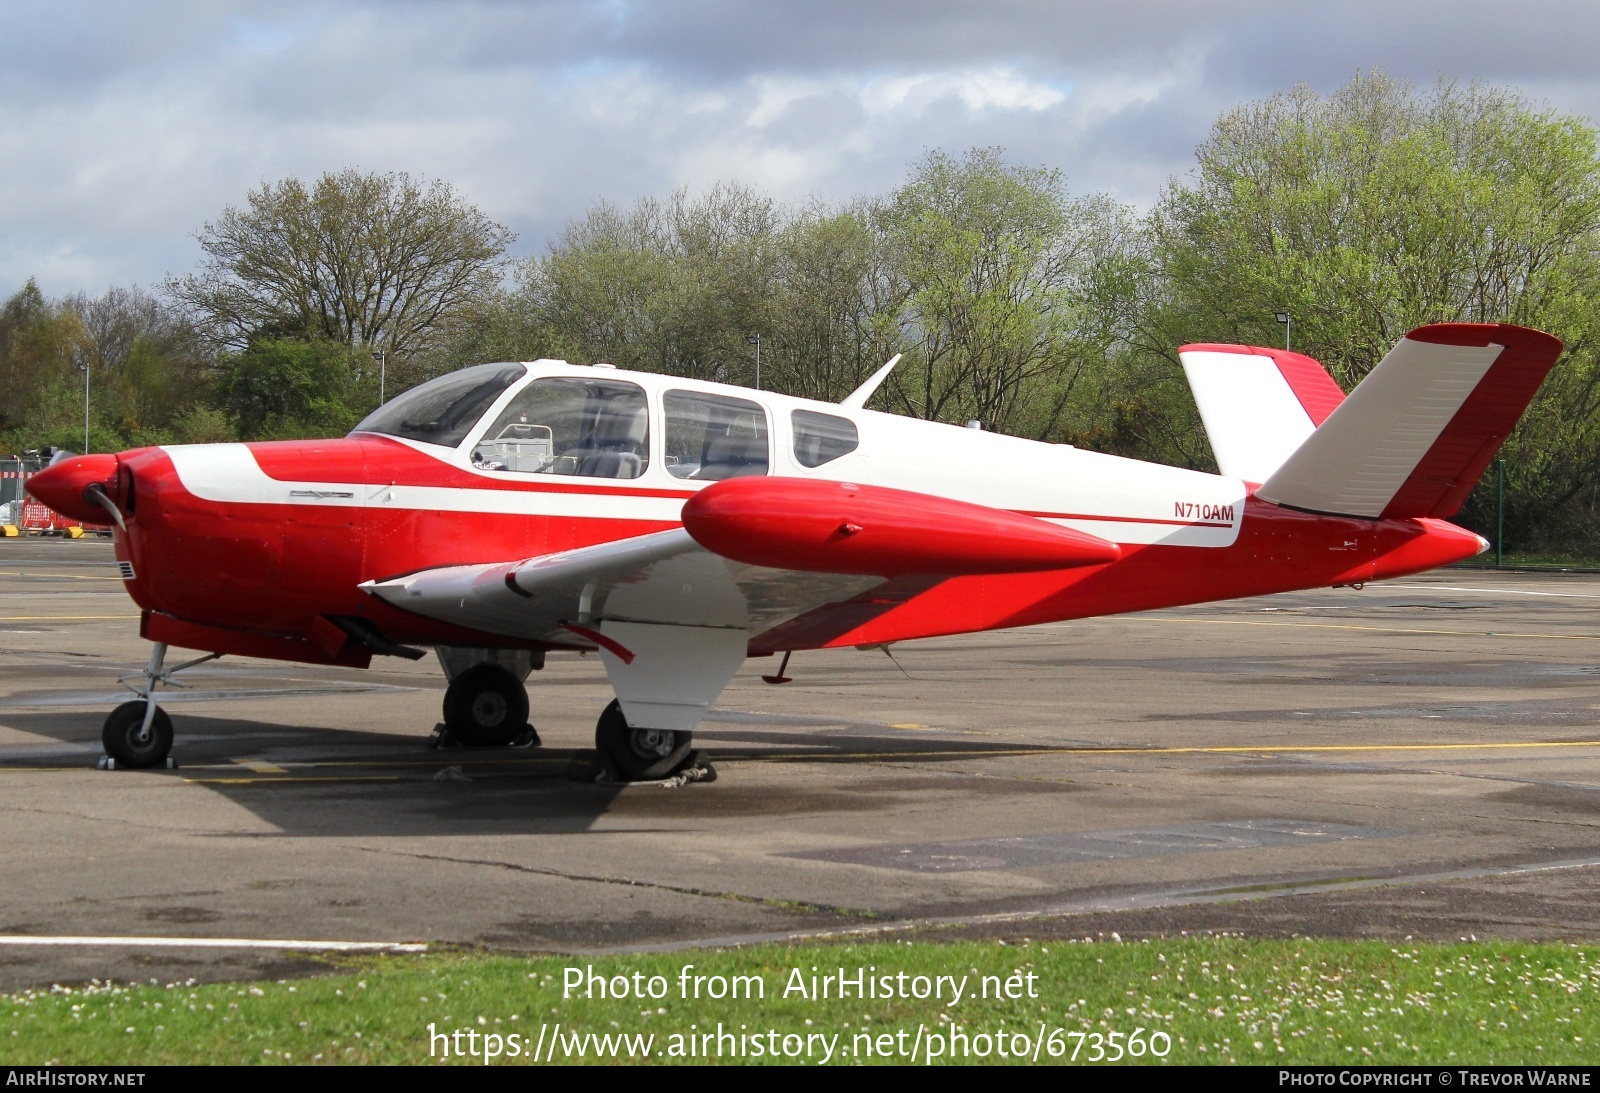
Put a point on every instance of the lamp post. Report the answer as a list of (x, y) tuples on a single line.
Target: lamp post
[(83, 363), (1283, 317), (755, 340), (383, 372)]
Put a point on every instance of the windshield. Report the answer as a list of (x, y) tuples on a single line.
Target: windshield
[(444, 410)]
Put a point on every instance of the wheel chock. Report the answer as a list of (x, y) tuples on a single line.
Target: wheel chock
[(696, 768), (443, 739), (108, 763)]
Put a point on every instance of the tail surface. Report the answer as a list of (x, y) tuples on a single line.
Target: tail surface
[(1415, 436), (1258, 405)]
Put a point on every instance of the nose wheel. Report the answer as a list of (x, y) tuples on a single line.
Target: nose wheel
[(138, 734), (639, 755), (135, 740), (486, 706)]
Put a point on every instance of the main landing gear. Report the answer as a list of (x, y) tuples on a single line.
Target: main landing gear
[(138, 734), (639, 755), (486, 706)]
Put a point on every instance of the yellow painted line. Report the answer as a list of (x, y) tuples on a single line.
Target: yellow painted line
[(261, 766), (421, 762), (61, 618), (1242, 749), (1289, 749), (55, 576), (1373, 629), (276, 780)]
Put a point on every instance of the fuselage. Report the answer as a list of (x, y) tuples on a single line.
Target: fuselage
[(253, 546)]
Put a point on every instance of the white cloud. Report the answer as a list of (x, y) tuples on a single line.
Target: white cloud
[(122, 134), (980, 90)]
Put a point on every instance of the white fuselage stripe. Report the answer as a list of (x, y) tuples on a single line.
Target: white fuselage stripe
[(229, 474)]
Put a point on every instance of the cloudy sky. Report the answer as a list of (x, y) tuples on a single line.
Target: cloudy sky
[(125, 126)]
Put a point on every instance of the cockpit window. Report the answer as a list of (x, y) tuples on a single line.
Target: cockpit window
[(712, 437), (596, 428), (444, 410), (822, 438)]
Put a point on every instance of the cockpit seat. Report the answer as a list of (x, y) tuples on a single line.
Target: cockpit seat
[(614, 447), (732, 456)]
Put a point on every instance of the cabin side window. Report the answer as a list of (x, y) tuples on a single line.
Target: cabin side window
[(593, 428), (822, 438), (712, 437)]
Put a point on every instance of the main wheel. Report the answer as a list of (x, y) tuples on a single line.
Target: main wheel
[(126, 741), (639, 755), (486, 706)]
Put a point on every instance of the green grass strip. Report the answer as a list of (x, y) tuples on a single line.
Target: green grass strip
[(1188, 1000)]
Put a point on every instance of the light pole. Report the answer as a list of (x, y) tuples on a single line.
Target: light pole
[(1283, 317), (755, 340), (383, 372), (83, 363)]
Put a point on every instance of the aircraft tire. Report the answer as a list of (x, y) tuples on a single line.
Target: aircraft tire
[(639, 755), (486, 706), (120, 735)]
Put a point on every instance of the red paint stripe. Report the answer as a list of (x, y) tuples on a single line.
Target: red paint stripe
[(1442, 479), (378, 461), (615, 648), (1318, 393), (1122, 519)]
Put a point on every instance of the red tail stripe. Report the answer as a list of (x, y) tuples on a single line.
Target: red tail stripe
[(1319, 395), (1443, 478)]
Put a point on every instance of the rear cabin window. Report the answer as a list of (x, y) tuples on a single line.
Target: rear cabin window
[(822, 438), (594, 428), (712, 437), (444, 410)]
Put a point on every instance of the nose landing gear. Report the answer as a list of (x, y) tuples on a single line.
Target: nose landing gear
[(135, 737), (138, 734)]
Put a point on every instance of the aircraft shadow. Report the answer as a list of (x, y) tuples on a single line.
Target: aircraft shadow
[(316, 782)]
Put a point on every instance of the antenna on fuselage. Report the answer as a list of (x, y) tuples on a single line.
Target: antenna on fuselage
[(858, 398)]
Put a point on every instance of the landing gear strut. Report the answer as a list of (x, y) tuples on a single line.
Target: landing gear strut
[(639, 755), (138, 734), (486, 706)]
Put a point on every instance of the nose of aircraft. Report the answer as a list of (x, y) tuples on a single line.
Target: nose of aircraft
[(62, 486)]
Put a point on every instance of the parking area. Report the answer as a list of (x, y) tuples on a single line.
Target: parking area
[(1419, 758)]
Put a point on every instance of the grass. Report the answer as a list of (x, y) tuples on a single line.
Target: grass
[(1218, 1000)]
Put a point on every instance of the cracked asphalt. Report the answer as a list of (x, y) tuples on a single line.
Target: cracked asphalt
[(1416, 759)]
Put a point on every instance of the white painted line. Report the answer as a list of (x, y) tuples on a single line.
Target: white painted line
[(1501, 591), (215, 943)]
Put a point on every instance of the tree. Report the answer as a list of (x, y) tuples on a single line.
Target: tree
[(374, 261), (672, 285), (999, 313), (146, 359), (1376, 209), (288, 387)]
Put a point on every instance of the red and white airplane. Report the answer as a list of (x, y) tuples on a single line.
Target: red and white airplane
[(508, 511)]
